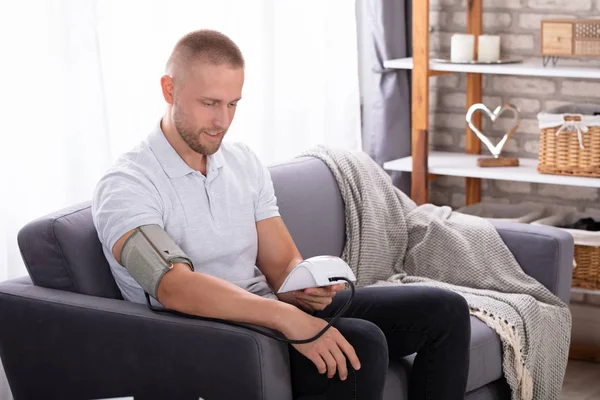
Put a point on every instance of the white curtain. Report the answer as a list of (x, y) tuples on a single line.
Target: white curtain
[(81, 86)]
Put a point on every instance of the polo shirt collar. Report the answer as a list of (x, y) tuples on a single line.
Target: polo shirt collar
[(216, 160), (171, 161)]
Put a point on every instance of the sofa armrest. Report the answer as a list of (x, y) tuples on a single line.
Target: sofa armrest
[(544, 252), (67, 345)]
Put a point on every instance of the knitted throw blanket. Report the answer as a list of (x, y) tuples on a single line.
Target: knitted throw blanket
[(391, 241)]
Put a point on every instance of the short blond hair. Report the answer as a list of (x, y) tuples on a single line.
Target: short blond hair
[(205, 45)]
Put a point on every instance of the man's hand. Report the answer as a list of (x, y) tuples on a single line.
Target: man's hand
[(312, 299), (328, 352)]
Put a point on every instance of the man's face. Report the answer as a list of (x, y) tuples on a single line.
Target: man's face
[(204, 104)]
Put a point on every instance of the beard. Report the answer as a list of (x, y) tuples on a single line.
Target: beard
[(193, 136)]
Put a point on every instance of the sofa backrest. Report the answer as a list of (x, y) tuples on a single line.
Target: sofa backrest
[(62, 250), (311, 206)]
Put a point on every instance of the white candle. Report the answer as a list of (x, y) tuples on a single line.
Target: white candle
[(462, 47), (488, 48)]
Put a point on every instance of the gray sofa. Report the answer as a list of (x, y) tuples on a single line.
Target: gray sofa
[(66, 333)]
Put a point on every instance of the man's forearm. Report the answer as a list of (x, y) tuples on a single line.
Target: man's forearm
[(204, 295), (277, 281)]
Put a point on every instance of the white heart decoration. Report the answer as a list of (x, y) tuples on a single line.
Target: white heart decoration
[(493, 116)]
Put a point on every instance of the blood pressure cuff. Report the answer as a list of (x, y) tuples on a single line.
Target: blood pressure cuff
[(148, 254)]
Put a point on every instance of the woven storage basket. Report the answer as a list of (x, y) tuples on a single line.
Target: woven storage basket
[(586, 272), (570, 140)]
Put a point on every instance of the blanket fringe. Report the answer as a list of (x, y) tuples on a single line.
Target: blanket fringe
[(509, 334)]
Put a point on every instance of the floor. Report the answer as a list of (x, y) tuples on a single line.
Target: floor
[(582, 381)]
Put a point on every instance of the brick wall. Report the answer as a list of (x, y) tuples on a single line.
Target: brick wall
[(518, 24)]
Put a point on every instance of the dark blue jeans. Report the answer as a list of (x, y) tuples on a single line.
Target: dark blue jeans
[(395, 322)]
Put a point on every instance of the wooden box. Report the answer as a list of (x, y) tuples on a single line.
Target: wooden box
[(570, 37)]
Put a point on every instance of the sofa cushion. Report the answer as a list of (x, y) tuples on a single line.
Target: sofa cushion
[(396, 383), (497, 390), (486, 355), (62, 251), (311, 206)]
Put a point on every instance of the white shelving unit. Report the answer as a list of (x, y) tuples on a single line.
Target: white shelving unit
[(580, 290), (529, 67), (465, 165)]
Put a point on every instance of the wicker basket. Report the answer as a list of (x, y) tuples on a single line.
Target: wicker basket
[(586, 272), (565, 146)]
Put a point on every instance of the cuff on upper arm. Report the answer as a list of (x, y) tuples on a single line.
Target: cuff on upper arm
[(117, 231)]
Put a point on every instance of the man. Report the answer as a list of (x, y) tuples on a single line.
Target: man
[(216, 202)]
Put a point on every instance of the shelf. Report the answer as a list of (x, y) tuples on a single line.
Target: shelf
[(585, 291), (460, 164), (529, 67)]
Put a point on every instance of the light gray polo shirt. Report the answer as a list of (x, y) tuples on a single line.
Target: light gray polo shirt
[(212, 219)]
